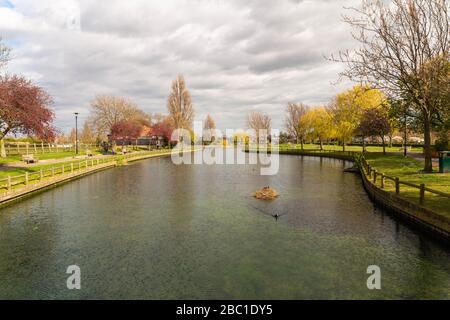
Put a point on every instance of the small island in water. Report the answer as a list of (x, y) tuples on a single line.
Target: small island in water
[(266, 193)]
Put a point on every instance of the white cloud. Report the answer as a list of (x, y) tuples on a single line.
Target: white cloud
[(236, 56)]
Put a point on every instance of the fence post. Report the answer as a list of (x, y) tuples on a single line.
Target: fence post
[(9, 183), (62, 170), (53, 171), (71, 167), (26, 178), (397, 185), (34, 145), (41, 175), (374, 176), (422, 193), (382, 180)]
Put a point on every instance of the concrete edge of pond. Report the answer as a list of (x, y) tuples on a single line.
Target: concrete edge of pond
[(32, 190), (429, 221), (37, 188), (425, 219)]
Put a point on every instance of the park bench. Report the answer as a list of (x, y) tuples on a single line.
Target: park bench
[(29, 158), (89, 153)]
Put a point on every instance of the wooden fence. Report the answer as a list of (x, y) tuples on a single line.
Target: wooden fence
[(29, 178), (379, 179), (41, 148), (7, 184)]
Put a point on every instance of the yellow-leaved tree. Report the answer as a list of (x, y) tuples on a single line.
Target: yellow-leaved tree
[(347, 109), (319, 124)]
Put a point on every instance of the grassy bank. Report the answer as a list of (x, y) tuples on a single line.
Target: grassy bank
[(12, 171), (407, 169), (45, 156), (55, 170), (309, 146)]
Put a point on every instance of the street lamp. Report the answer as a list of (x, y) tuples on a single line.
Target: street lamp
[(76, 132)]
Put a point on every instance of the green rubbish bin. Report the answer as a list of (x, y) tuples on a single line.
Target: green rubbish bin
[(444, 161)]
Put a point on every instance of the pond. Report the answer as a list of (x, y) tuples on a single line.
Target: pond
[(155, 230)]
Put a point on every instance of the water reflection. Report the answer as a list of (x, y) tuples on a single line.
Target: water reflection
[(156, 230)]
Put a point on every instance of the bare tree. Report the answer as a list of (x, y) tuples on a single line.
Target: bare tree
[(209, 126), (179, 104), (404, 50), (4, 54), (156, 117), (294, 113), (209, 123), (87, 134), (259, 121), (71, 137), (108, 110)]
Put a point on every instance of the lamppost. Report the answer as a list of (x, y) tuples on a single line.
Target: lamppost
[(76, 132)]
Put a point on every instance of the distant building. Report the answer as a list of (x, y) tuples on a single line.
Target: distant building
[(146, 138)]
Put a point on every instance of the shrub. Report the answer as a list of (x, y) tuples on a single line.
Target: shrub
[(442, 144)]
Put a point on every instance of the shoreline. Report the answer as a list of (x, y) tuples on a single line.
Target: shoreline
[(426, 220), (9, 198)]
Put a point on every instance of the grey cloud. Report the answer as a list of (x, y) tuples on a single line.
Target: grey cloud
[(236, 56), (290, 60)]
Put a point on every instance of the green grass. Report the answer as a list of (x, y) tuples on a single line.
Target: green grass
[(17, 171), (46, 156), (407, 169)]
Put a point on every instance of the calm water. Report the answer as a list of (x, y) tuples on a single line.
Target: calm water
[(160, 231)]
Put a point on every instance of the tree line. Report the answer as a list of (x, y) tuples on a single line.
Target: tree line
[(112, 118), (402, 67), (404, 50), (358, 112), (26, 109)]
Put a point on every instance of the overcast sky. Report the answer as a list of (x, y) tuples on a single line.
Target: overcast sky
[(236, 56)]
